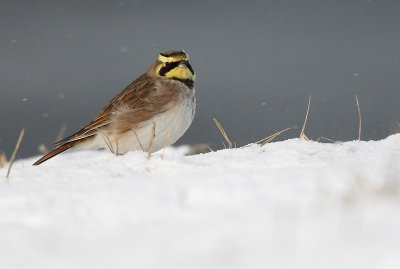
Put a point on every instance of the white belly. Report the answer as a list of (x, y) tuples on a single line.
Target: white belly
[(169, 127)]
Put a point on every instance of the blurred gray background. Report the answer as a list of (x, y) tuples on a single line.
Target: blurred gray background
[(256, 64)]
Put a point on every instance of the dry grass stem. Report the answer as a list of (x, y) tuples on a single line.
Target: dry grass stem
[(134, 131), (359, 118), (108, 143), (61, 133), (272, 137), (151, 141), (223, 133), (211, 150), (166, 142), (224, 145), (328, 139), (325, 138), (268, 139), (302, 134), (21, 135), (3, 160)]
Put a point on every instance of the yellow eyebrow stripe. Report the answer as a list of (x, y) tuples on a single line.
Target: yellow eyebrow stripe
[(174, 58)]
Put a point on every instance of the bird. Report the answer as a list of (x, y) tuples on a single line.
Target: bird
[(152, 112)]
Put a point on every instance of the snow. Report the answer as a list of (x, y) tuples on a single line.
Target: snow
[(289, 204)]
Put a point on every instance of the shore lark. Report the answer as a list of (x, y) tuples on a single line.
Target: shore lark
[(153, 111)]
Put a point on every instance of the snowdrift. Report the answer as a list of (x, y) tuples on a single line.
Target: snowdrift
[(289, 204)]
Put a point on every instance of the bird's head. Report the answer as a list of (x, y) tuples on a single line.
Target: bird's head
[(174, 65)]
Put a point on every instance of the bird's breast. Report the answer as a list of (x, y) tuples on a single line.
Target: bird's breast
[(170, 125)]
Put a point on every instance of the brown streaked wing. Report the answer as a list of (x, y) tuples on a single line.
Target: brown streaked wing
[(138, 102), (145, 102)]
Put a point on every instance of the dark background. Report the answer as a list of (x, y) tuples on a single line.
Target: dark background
[(256, 64)]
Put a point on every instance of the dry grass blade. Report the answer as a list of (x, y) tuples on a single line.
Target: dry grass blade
[(223, 133), (359, 118), (3, 160), (325, 138), (272, 137), (21, 135), (108, 142), (328, 139), (151, 141), (268, 138), (61, 133), (302, 134), (166, 142), (134, 131), (224, 145)]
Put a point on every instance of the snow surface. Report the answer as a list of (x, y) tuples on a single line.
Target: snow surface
[(289, 204)]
